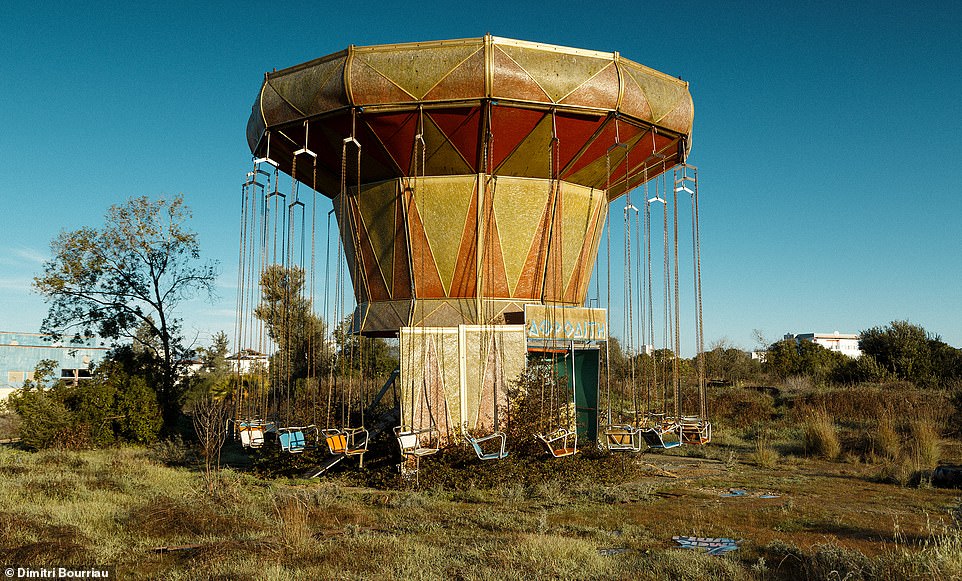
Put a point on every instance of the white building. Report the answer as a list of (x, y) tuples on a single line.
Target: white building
[(247, 360), (844, 343)]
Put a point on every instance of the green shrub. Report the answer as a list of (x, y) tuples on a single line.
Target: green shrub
[(42, 416), (112, 406)]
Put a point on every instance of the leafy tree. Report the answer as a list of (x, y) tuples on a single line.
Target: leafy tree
[(790, 357), (617, 359), (292, 324), (372, 356), (860, 370), (128, 276), (730, 364), (911, 353), (113, 406)]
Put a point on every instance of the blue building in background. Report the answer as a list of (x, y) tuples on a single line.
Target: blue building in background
[(21, 352)]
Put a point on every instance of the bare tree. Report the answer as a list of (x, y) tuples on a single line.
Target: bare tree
[(209, 416)]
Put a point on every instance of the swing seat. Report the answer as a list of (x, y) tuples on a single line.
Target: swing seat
[(251, 434), (663, 436), (623, 438), (294, 439), (346, 441), (561, 442), (496, 452), (695, 430), (412, 443)]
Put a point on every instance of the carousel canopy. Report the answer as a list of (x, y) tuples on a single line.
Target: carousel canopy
[(486, 105)]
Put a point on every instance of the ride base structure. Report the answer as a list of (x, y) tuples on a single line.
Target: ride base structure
[(471, 182)]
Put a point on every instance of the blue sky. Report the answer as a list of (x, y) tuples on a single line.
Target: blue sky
[(828, 136)]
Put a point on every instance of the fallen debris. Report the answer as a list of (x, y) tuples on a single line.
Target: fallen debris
[(711, 545), (740, 492), (175, 548)]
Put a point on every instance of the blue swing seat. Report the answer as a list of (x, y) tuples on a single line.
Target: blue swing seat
[(495, 453), (662, 436)]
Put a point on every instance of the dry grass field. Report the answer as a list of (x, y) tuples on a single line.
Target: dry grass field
[(853, 502)]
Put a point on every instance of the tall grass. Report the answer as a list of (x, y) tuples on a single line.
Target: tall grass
[(886, 442), (764, 454), (924, 449), (821, 435)]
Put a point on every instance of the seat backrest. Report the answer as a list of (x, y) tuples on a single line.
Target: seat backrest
[(257, 437), (408, 441), (337, 443), (297, 439)]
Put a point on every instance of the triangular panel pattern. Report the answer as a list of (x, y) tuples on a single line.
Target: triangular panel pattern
[(633, 100), (464, 82), (511, 80), (443, 158), (532, 157), (461, 126), (663, 95), (578, 280), (494, 281), (558, 74), (600, 90), (510, 127), (369, 86), (427, 281), (402, 268), (443, 206), (395, 132), (519, 206), (465, 283), (418, 71), (303, 88), (532, 274), (377, 207)]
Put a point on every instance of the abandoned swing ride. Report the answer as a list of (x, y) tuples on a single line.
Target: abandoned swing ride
[(470, 183)]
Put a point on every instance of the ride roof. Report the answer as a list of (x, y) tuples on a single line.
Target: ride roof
[(591, 118)]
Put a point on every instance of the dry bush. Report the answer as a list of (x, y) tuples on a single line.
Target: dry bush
[(821, 435), (293, 516), (916, 458), (167, 517), (49, 552), (885, 441), (937, 557), (923, 445), (798, 384), (26, 540), (741, 407), (764, 454), (865, 404)]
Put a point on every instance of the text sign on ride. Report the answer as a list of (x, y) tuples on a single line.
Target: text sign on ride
[(551, 323)]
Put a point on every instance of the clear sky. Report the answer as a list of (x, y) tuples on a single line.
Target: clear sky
[(828, 136)]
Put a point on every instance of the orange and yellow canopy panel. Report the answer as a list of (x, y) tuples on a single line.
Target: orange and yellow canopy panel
[(470, 177)]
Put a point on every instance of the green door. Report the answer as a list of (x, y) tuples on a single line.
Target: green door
[(585, 376)]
